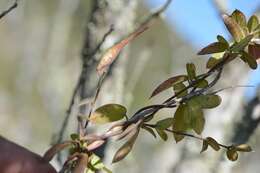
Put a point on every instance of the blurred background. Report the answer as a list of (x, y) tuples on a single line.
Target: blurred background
[(43, 44)]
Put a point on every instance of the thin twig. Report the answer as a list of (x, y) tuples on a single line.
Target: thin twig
[(4, 13)]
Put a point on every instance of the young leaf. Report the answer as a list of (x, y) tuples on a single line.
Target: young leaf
[(251, 61), (234, 28), (252, 23), (232, 154), (191, 71), (202, 84), (179, 87), (181, 122), (108, 113), (221, 39), (243, 148), (204, 146), (212, 62), (97, 164), (239, 17), (164, 124), (215, 47), (74, 136), (126, 148), (213, 143), (254, 50), (49, 154), (236, 47), (111, 54), (150, 130), (169, 83), (162, 134)]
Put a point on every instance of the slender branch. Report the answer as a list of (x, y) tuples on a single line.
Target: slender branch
[(4, 13), (185, 134)]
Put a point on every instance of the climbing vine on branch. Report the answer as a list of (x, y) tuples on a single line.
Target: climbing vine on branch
[(191, 96)]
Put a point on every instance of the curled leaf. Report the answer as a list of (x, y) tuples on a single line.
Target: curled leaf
[(49, 154), (204, 146), (215, 47), (243, 148), (108, 113), (221, 39), (168, 83), (213, 143), (233, 27), (212, 62), (232, 154), (111, 54), (126, 148)]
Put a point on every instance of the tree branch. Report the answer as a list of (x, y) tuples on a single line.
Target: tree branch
[(4, 13)]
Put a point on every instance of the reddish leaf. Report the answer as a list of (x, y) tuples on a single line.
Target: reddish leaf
[(111, 54), (169, 83), (215, 47), (254, 50), (55, 149)]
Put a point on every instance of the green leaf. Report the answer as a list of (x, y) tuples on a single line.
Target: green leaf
[(252, 23), (251, 61), (181, 121), (239, 17), (179, 87), (149, 130), (208, 101), (197, 116), (236, 47), (97, 164), (234, 28), (126, 148), (202, 84), (243, 148), (164, 124), (212, 62), (213, 143), (254, 50), (215, 47), (232, 154), (221, 39), (162, 134), (108, 113), (74, 136), (191, 71), (204, 146), (169, 83)]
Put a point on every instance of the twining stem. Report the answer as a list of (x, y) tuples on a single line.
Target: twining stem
[(184, 134)]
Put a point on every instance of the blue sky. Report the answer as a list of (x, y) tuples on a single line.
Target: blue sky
[(197, 21)]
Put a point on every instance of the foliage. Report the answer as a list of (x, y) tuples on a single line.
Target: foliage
[(191, 96)]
